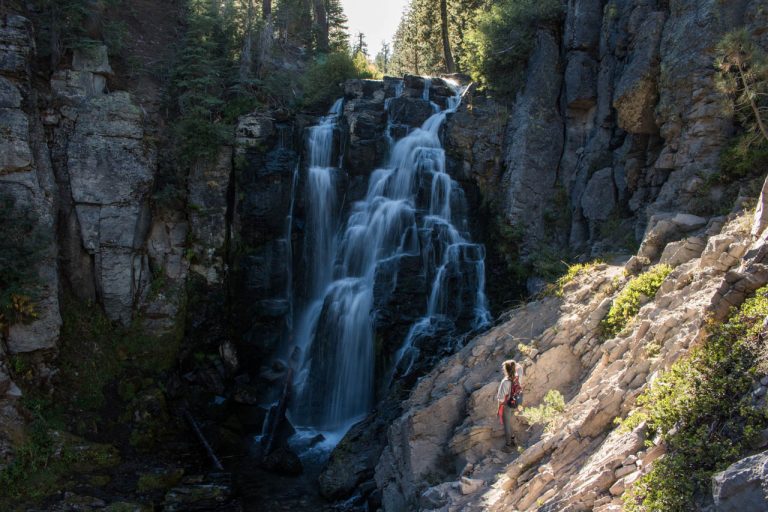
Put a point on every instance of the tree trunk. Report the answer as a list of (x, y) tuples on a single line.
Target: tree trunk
[(246, 56), (266, 8), (321, 24), (753, 104), (450, 67)]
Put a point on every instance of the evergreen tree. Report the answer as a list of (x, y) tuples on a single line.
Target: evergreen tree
[(360, 45), (338, 35), (450, 67), (382, 59), (320, 23), (743, 67), (293, 19)]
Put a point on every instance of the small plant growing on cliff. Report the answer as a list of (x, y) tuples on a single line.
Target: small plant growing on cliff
[(573, 271), (703, 409), (546, 413), (22, 248), (628, 302)]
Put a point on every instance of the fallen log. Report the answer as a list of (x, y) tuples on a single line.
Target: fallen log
[(279, 417), (203, 441)]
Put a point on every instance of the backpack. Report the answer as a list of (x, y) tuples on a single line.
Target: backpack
[(515, 398)]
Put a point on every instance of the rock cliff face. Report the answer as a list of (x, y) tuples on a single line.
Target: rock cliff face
[(620, 118), (618, 121)]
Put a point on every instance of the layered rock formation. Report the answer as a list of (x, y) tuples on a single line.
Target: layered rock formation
[(583, 461), (618, 120)]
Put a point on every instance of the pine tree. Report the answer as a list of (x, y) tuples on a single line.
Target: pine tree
[(320, 23), (450, 67), (360, 45), (338, 37), (743, 67), (382, 59)]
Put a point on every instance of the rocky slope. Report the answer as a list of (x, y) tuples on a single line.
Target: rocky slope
[(583, 461)]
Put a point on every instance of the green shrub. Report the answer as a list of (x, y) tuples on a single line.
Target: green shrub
[(36, 465), (111, 349), (628, 302), (504, 38), (573, 271), (546, 413), (323, 81), (702, 407), (22, 248), (745, 157)]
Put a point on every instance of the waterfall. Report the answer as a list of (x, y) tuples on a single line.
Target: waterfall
[(406, 212)]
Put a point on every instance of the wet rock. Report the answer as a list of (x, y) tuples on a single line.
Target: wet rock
[(284, 462), (353, 459), (195, 494), (125, 506), (409, 111), (365, 89), (163, 478)]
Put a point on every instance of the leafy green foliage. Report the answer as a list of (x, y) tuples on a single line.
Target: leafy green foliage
[(71, 24), (30, 472), (573, 271), (743, 76), (628, 302), (503, 38), (547, 412), (47, 456), (746, 157), (702, 407), (112, 350), (323, 80), (200, 79), (22, 248)]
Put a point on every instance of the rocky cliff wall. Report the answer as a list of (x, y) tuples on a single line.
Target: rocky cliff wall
[(619, 119), (618, 124)]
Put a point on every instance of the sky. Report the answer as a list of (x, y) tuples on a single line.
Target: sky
[(377, 19)]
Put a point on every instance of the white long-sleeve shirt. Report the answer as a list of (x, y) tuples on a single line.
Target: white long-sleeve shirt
[(506, 385)]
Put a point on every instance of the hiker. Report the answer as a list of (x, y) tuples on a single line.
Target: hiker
[(510, 397)]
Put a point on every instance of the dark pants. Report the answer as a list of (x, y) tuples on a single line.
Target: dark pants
[(506, 415)]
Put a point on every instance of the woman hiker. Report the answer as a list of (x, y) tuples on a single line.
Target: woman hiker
[(509, 396)]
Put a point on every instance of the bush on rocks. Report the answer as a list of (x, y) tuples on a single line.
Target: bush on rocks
[(628, 302), (704, 410)]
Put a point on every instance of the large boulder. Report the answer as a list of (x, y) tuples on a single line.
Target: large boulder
[(743, 486)]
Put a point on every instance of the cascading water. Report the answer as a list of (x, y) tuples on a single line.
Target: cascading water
[(407, 212)]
